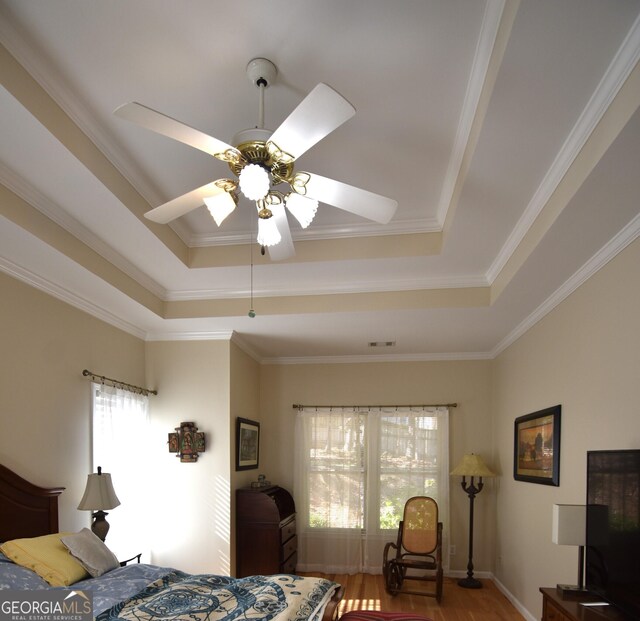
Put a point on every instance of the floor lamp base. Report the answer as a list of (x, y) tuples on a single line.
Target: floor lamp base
[(470, 583)]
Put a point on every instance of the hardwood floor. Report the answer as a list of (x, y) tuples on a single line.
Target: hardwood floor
[(366, 592)]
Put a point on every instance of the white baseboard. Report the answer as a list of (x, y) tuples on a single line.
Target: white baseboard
[(517, 605), (457, 573)]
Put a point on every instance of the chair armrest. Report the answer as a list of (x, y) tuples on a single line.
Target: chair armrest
[(387, 547), (137, 556)]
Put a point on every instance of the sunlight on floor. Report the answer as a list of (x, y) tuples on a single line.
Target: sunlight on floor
[(360, 604)]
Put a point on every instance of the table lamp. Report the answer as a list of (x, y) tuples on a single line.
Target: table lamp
[(569, 529), (98, 496)]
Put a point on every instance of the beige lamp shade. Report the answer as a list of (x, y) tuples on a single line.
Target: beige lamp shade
[(472, 466), (569, 525), (99, 493)]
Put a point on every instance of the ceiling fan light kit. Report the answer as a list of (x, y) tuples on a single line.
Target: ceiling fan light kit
[(268, 234), (220, 206), (264, 160), (303, 209), (254, 182)]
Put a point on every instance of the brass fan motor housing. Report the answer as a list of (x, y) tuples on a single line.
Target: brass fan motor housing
[(256, 152)]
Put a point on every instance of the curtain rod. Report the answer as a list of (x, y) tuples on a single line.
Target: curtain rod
[(118, 384), (297, 406)]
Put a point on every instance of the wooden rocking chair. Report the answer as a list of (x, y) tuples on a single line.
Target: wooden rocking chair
[(417, 549)]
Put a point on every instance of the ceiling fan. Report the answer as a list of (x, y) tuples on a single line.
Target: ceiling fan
[(263, 162)]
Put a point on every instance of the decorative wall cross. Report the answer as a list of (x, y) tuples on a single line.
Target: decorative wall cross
[(187, 442)]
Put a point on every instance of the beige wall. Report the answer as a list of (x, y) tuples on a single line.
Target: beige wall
[(209, 383), (584, 356), (44, 399), (465, 382), (245, 403), (192, 527)]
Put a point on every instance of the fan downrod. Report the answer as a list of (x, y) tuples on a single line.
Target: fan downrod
[(252, 142)]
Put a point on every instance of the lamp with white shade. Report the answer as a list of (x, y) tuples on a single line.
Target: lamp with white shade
[(98, 496), (569, 529)]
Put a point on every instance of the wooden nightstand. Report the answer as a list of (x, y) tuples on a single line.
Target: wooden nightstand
[(555, 608)]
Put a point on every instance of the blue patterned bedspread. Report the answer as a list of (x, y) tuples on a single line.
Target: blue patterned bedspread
[(120, 584), (142, 592), (107, 590), (182, 596)]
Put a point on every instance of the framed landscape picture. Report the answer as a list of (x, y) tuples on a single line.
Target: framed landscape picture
[(536, 447), (247, 444)]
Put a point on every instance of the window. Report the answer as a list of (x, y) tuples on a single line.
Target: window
[(120, 436), (355, 469), (409, 462)]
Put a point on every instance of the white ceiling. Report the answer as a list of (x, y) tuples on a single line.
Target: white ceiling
[(508, 132)]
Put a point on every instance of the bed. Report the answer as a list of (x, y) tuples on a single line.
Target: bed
[(29, 520)]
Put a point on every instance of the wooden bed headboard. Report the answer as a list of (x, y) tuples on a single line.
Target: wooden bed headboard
[(26, 510)]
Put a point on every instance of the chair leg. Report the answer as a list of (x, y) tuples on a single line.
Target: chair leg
[(393, 580), (439, 585)]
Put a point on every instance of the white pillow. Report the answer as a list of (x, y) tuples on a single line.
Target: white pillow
[(91, 552)]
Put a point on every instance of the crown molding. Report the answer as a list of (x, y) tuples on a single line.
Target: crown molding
[(68, 297), (494, 10), (628, 235), (54, 86), (52, 82), (59, 216), (625, 237), (213, 335), (614, 77), (311, 288), (441, 357), (245, 347)]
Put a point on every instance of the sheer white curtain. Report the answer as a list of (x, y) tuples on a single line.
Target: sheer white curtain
[(329, 483), (120, 446), (354, 470)]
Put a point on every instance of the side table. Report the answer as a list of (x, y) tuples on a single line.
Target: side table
[(557, 608)]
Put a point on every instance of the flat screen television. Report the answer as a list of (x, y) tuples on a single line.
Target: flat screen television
[(613, 528)]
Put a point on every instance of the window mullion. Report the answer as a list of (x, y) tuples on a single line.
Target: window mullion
[(372, 487)]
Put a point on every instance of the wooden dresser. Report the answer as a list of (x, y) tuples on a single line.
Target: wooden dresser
[(555, 608), (266, 541)]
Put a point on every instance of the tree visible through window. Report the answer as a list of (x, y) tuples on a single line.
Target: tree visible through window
[(409, 463), (356, 468)]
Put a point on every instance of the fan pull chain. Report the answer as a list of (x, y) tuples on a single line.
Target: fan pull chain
[(251, 312)]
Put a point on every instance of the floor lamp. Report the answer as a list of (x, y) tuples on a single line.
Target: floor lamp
[(472, 466)]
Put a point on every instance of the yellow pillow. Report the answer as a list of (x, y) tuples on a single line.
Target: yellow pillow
[(48, 557)]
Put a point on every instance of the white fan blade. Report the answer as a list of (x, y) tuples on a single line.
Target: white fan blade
[(354, 200), (319, 113), (284, 249), (165, 125), (183, 204)]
